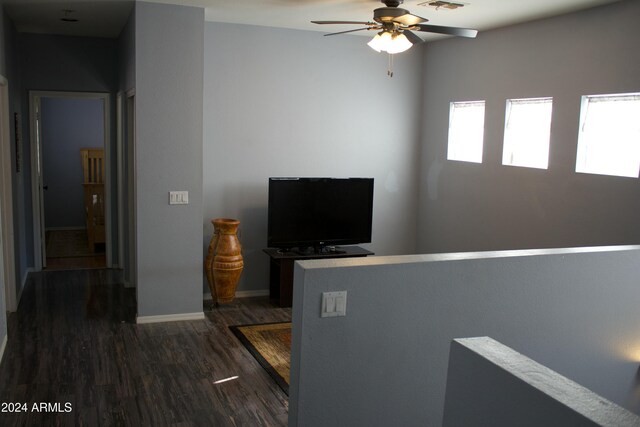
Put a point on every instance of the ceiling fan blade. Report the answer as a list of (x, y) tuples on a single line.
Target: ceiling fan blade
[(412, 37), (409, 19), (454, 31), (348, 31), (343, 22)]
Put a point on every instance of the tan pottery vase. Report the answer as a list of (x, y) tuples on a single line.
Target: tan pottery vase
[(224, 262)]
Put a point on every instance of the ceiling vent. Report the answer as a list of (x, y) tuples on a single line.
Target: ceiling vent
[(442, 4)]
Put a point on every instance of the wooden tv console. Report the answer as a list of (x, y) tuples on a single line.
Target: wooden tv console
[(281, 269)]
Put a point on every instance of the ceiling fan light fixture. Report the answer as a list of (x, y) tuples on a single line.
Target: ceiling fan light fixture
[(386, 41), (380, 42), (399, 43)]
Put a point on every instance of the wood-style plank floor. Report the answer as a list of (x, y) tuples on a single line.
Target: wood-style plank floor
[(74, 342), (76, 263)]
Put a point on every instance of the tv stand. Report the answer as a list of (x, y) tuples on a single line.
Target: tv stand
[(281, 268), (316, 250)]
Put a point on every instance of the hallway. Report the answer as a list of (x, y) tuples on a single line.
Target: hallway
[(69, 250), (74, 343)]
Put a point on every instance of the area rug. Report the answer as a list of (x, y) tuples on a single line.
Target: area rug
[(67, 243), (270, 344)]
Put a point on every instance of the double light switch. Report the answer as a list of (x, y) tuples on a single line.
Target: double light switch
[(334, 304)]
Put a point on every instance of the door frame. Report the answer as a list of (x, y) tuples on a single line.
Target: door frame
[(7, 225), (129, 187), (35, 128), (120, 107)]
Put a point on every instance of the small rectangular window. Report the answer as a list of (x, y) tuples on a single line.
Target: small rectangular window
[(527, 131), (609, 135), (466, 131)]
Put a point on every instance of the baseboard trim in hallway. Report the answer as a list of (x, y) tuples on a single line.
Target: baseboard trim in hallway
[(170, 317), (3, 346)]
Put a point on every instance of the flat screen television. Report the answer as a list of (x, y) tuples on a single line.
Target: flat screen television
[(319, 212)]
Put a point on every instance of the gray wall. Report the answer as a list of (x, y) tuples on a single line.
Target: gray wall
[(488, 206), (385, 363), (4, 23), (168, 66), (12, 72), (293, 103), (490, 384), (127, 55), (68, 124), (64, 63)]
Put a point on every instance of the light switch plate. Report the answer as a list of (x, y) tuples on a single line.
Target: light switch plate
[(334, 304), (178, 197)]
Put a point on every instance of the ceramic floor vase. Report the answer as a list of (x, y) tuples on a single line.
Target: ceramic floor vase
[(224, 261)]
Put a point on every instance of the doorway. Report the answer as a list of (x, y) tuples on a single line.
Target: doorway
[(71, 173)]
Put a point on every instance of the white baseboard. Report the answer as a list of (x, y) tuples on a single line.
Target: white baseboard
[(3, 346), (170, 317), (242, 294)]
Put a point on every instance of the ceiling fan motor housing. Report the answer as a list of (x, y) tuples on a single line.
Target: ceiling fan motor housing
[(388, 14), (392, 3)]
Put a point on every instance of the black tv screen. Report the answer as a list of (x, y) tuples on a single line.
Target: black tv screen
[(319, 212)]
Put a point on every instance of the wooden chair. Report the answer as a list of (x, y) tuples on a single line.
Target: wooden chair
[(93, 183)]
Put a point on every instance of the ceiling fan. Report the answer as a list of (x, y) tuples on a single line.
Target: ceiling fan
[(396, 26)]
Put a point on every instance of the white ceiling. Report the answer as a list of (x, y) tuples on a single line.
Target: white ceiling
[(105, 18)]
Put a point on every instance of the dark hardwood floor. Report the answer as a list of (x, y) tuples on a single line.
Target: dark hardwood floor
[(74, 342), (76, 263)]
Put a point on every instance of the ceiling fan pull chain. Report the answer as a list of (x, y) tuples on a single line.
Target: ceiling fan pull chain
[(390, 68)]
